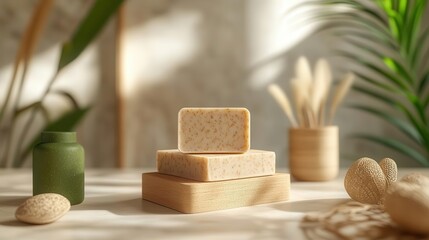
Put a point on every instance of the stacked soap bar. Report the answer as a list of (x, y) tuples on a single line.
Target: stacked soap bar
[(214, 130), (214, 167)]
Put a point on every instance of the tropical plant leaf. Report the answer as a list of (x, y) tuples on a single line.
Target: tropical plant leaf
[(394, 103), (19, 111), (357, 5), (27, 45), (68, 121), (357, 29), (369, 46), (363, 16), (87, 30), (403, 85), (392, 61), (369, 11), (363, 35), (38, 104), (394, 24), (67, 95), (390, 101), (418, 49), (351, 17), (412, 29), (425, 60), (334, 21), (378, 84), (419, 108), (426, 101), (404, 127), (397, 146), (391, 45), (404, 9), (65, 123)]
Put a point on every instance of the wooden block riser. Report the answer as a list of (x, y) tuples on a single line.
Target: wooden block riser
[(190, 196)]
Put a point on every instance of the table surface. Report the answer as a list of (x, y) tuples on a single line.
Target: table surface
[(113, 209)]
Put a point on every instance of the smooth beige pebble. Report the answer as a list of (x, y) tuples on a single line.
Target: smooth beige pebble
[(408, 206), (43, 208)]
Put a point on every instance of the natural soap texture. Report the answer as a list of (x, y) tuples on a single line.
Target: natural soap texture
[(216, 167), (189, 196), (214, 130)]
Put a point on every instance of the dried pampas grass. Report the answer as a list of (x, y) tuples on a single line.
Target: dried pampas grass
[(341, 91), (283, 101), (311, 93)]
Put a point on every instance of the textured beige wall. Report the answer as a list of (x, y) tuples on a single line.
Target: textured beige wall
[(182, 53), (224, 53)]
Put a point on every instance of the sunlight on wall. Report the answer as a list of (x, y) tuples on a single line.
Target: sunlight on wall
[(80, 79), (272, 34), (155, 49)]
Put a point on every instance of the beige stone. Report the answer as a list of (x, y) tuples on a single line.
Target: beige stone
[(215, 167), (43, 208), (408, 206)]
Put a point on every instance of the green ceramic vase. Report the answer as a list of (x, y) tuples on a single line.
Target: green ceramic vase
[(58, 166)]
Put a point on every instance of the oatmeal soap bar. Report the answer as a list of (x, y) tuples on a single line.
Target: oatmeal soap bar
[(216, 167), (214, 130)]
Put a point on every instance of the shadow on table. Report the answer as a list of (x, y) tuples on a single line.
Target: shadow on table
[(125, 204), (15, 223), (12, 201), (310, 205)]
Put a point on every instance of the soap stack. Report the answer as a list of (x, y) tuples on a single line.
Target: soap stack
[(214, 167)]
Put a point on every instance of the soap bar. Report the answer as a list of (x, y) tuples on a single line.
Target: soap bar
[(216, 167), (189, 196), (214, 130)]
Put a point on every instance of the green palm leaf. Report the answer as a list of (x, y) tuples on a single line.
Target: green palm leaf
[(68, 96), (403, 126), (418, 48), (402, 85), (361, 16), (39, 105), (358, 34), (66, 122), (355, 4), (400, 66), (396, 145), (393, 61), (378, 84), (426, 101), (413, 26), (88, 30), (422, 129)]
